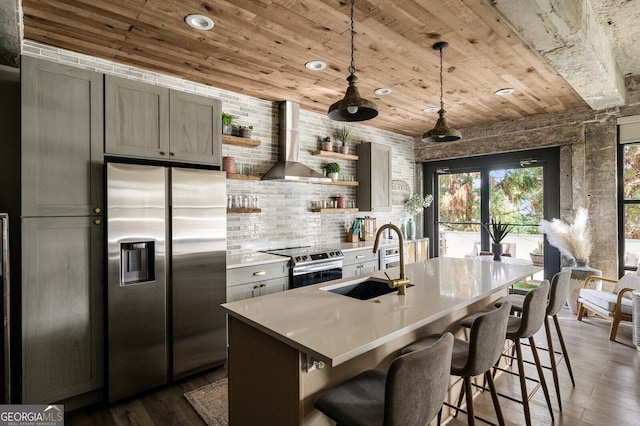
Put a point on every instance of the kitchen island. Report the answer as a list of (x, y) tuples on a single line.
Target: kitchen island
[(285, 348)]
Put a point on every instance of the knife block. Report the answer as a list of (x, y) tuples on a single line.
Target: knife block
[(351, 237)]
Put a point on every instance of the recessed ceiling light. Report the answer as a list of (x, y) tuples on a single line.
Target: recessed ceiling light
[(505, 91), (382, 91), (430, 109), (199, 22), (315, 65)]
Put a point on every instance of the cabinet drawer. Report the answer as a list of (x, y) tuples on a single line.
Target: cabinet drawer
[(359, 256), (255, 273), (247, 291)]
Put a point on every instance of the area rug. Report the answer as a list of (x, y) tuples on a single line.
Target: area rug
[(211, 403)]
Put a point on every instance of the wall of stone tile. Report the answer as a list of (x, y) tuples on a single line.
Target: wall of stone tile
[(587, 142), (286, 219)]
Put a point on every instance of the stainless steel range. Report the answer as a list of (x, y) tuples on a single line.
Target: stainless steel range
[(311, 265)]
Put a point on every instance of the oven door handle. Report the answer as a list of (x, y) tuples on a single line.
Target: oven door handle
[(317, 267)]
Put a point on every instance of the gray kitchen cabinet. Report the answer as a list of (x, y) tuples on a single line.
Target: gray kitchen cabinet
[(255, 280), (195, 128), (359, 262), (62, 313), (62, 140), (373, 172), (147, 121), (61, 254), (417, 250), (136, 118)]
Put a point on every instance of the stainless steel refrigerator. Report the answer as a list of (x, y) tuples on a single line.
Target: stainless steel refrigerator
[(166, 241)]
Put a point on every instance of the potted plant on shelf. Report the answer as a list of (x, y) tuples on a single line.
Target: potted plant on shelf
[(343, 134), (227, 123), (332, 170), (245, 131), (327, 145), (497, 231), (537, 255)]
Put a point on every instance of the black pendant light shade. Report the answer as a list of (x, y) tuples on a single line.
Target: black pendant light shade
[(441, 132), (352, 107)]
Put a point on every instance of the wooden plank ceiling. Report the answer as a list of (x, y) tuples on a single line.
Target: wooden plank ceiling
[(260, 47)]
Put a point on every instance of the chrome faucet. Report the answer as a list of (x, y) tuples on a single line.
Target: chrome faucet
[(402, 282)]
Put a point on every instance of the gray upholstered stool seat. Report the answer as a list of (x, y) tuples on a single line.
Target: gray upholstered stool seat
[(410, 393), (478, 355)]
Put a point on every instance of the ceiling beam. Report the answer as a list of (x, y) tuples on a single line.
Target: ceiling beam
[(568, 35), (10, 32)]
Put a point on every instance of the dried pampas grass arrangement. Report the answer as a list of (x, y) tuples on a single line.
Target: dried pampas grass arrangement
[(572, 240)]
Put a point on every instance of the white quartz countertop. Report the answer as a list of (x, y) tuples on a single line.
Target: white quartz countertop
[(252, 259), (334, 328)]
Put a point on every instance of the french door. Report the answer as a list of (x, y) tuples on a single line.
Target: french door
[(516, 188)]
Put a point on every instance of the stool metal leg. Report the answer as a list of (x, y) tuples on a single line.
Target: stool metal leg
[(523, 382), (565, 354), (471, 418), (494, 396), (543, 382), (552, 360)]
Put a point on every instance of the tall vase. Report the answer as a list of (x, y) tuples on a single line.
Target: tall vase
[(579, 272), (411, 229), (496, 249)]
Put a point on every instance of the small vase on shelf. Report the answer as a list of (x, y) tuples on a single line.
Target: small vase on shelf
[(411, 229)]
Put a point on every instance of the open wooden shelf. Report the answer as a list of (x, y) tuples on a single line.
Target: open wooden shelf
[(238, 141), (239, 176), (241, 210), (332, 210), (341, 183), (332, 154)]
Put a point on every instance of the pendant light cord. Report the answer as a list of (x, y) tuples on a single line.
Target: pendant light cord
[(352, 67), (441, 83)]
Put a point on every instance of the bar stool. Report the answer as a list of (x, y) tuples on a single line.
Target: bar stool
[(534, 311), (477, 356), (557, 299), (411, 393)]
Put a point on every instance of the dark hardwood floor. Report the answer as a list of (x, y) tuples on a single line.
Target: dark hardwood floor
[(165, 406), (607, 391)]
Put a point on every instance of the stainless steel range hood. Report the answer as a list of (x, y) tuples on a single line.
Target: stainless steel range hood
[(288, 167)]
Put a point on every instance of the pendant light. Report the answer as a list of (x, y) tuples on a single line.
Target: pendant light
[(441, 132), (352, 107)]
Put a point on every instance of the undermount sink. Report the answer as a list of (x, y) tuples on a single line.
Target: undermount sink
[(363, 289)]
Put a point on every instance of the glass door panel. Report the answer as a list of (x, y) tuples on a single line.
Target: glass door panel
[(516, 197), (459, 214)]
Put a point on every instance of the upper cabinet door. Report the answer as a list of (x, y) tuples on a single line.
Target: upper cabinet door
[(136, 119), (195, 125), (62, 139), (373, 172)]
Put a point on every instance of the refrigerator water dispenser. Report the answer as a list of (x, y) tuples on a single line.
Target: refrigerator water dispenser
[(136, 262)]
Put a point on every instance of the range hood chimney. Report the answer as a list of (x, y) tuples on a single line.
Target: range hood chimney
[(288, 167)]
